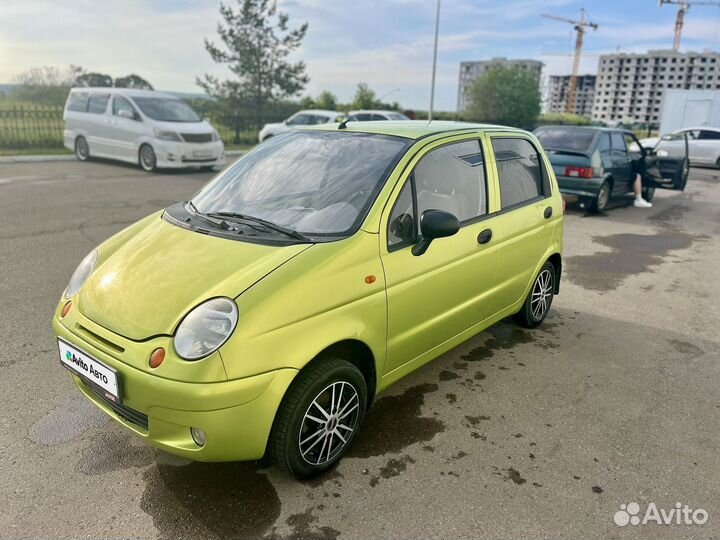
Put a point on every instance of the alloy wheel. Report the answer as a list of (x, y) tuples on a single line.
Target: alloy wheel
[(541, 294), (329, 423), (81, 149), (603, 196), (147, 158)]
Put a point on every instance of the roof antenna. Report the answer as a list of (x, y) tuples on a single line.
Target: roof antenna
[(343, 124), (432, 84)]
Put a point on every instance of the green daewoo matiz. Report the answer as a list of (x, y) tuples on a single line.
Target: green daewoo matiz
[(262, 317)]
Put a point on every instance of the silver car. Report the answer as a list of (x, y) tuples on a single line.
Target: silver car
[(703, 145)]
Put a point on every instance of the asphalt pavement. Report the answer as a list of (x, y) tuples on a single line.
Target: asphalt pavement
[(516, 433)]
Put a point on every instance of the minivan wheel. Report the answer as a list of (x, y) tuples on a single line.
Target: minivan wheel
[(147, 158), (538, 302), (82, 150), (603, 196), (319, 418)]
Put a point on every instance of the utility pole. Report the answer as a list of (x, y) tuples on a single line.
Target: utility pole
[(434, 65), (683, 6), (580, 27)]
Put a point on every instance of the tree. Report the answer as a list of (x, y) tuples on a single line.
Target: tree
[(256, 42), (94, 79), (364, 97), (133, 81), (326, 100), (504, 95)]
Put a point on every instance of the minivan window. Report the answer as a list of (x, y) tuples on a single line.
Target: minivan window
[(98, 103), (519, 172), (566, 138), (122, 104), (166, 109), (317, 183), (78, 101)]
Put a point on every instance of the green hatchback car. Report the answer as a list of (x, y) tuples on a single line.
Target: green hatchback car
[(263, 316)]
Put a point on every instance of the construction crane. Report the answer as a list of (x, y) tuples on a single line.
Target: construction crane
[(580, 27), (683, 6)]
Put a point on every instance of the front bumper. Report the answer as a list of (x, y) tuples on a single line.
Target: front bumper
[(171, 154), (236, 416), (580, 187)]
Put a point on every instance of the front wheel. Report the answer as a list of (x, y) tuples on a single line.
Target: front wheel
[(147, 158), (82, 150), (603, 196), (538, 302), (319, 418)]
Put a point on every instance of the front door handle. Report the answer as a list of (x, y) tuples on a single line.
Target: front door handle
[(484, 237), (548, 212)]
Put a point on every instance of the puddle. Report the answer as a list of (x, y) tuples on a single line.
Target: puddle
[(514, 475), (395, 422), (503, 336), (67, 421), (210, 500), (631, 254), (446, 375), (115, 452), (302, 526), (686, 347)]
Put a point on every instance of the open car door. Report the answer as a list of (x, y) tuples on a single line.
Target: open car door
[(661, 170)]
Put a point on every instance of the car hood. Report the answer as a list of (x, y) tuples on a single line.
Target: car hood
[(146, 283)]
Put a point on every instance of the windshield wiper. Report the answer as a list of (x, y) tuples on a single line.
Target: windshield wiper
[(269, 224), (218, 222)]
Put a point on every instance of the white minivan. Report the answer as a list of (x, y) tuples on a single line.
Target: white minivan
[(139, 126)]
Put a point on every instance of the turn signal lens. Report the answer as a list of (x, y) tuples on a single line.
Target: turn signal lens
[(157, 357), (370, 279), (66, 308)]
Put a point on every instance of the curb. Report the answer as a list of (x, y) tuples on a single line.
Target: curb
[(71, 157)]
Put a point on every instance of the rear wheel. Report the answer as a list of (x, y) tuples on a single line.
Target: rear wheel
[(603, 196), (82, 150), (319, 418), (147, 158), (539, 299)]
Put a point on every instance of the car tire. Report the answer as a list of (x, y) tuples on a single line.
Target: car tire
[(599, 203), (208, 168), (82, 149), (147, 158), (681, 177), (301, 442), (539, 299), (648, 193)]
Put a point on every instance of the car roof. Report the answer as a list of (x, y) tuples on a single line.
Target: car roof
[(132, 92), (594, 128), (321, 112), (412, 129), (699, 128), (380, 111)]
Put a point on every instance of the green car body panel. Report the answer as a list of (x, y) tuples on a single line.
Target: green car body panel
[(296, 301)]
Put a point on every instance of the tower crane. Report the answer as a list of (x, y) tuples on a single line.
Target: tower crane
[(580, 26), (683, 6)]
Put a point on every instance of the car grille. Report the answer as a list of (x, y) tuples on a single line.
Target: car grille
[(196, 137), (123, 411)]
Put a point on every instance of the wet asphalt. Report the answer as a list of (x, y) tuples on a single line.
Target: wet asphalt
[(516, 433)]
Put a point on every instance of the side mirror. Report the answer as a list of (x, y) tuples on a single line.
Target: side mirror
[(124, 113), (435, 224)]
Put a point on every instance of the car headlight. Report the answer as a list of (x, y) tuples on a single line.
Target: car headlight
[(167, 135), (215, 136), (81, 273), (206, 328)]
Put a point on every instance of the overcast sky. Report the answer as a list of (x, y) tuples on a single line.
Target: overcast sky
[(386, 43)]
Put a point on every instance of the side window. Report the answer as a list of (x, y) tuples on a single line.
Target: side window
[(709, 135), (78, 101), (377, 117), (122, 104), (604, 144), (618, 142), (519, 171), (299, 120), (401, 227), (98, 103), (452, 178)]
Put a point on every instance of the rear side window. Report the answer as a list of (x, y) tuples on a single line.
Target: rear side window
[(709, 135), (78, 101), (618, 142), (604, 144), (98, 103), (519, 171)]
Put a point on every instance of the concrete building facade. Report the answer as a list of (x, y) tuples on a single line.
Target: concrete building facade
[(630, 87), (557, 92), (469, 71)]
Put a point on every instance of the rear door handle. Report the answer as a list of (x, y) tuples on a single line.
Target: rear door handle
[(548, 212), (484, 236)]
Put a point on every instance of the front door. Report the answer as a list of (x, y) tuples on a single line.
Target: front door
[(126, 128), (435, 296)]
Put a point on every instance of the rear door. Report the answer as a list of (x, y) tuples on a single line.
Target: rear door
[(622, 170), (98, 125), (524, 225), (706, 148)]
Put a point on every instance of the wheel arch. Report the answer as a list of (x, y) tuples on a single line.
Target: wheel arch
[(556, 260)]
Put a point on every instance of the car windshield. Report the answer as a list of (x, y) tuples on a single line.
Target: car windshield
[(166, 109), (572, 139), (316, 183)]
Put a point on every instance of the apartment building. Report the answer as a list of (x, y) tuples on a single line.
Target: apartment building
[(630, 87), (469, 71), (557, 93)]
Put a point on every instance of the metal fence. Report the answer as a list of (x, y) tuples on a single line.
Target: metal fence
[(31, 126)]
